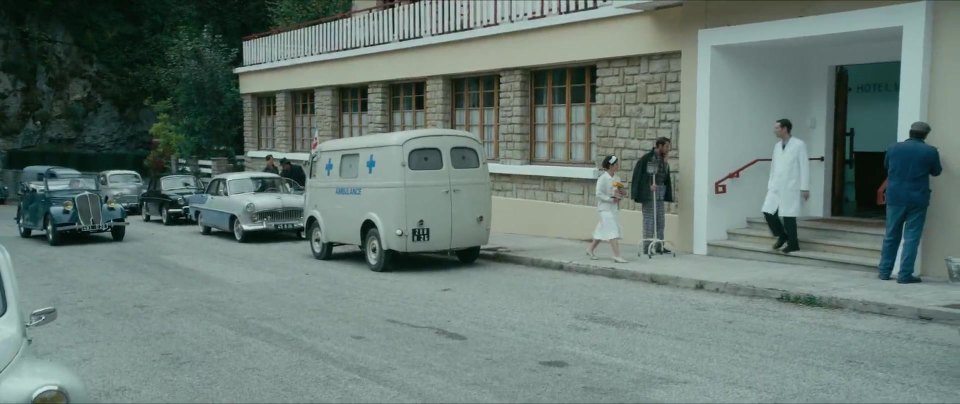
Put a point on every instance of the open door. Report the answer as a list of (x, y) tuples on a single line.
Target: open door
[(842, 89)]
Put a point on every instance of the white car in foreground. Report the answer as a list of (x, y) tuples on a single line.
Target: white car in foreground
[(23, 377)]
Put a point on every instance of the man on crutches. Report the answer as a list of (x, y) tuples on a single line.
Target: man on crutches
[(652, 189)]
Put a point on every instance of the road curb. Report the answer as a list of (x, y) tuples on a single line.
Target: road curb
[(933, 314)]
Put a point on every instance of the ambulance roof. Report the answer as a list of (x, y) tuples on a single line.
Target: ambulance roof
[(389, 139)]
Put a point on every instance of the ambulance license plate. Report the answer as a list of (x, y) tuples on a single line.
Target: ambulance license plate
[(421, 234)]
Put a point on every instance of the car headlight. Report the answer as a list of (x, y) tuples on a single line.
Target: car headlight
[(180, 199), (67, 205), (50, 395), (251, 207)]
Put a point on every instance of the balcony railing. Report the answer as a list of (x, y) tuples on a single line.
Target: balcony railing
[(400, 22)]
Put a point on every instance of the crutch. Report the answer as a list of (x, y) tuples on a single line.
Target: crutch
[(652, 168)]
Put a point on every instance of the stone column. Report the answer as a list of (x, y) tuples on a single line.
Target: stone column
[(326, 100), (378, 108), (283, 118), (514, 117), (249, 125), (439, 95), (220, 165)]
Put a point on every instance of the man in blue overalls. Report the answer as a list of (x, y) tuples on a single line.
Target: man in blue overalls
[(909, 165)]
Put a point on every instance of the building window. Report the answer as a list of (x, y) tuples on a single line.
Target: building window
[(562, 113), (476, 109), (353, 111), (266, 123), (407, 106), (303, 123)]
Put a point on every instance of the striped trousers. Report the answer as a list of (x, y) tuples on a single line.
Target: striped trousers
[(648, 216)]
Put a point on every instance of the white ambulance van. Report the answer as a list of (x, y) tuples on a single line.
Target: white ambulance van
[(416, 191)]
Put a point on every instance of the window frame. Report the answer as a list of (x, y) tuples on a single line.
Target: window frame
[(590, 85), (466, 98), (394, 126), (266, 142), (298, 132), (363, 94)]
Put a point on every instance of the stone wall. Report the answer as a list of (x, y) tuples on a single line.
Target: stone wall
[(439, 96), (327, 112), (283, 134), (637, 101), (378, 108), (515, 117)]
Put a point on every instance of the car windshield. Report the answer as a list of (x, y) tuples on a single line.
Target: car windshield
[(184, 182), (74, 183), (125, 179), (257, 184)]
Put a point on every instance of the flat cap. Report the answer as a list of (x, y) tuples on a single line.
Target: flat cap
[(920, 126)]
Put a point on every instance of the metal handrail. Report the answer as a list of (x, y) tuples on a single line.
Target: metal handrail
[(720, 188)]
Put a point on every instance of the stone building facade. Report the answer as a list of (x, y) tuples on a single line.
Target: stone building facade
[(637, 100)]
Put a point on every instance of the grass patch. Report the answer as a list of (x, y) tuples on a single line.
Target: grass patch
[(803, 300)]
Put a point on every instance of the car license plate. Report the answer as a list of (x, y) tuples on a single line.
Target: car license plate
[(284, 226), (421, 234)]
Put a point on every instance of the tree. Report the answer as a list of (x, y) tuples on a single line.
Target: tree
[(285, 13), (203, 93), (167, 140)]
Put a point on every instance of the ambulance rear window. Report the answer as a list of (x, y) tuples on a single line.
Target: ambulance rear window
[(464, 157), (426, 159)]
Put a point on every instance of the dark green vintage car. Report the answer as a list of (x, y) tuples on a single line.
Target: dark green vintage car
[(61, 200)]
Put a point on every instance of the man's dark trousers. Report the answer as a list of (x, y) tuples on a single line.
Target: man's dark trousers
[(784, 232)]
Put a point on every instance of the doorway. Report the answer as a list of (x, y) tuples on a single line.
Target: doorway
[(865, 124)]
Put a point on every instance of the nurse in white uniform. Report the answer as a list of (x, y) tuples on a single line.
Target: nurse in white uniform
[(608, 199)]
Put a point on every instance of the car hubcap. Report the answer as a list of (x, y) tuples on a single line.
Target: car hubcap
[(164, 214), (373, 249), (315, 239), (50, 230), (237, 230)]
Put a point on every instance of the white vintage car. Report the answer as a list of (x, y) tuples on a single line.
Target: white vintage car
[(247, 202), (23, 377)]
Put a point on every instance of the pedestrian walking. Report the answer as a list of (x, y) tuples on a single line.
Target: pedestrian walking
[(651, 193), (789, 182), (909, 165), (609, 192)]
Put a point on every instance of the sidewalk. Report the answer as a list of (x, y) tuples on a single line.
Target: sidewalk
[(814, 286)]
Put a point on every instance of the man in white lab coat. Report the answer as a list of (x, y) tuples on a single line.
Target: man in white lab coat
[(789, 183)]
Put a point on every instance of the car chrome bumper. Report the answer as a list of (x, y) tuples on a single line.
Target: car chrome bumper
[(272, 226), (101, 227), (177, 211)]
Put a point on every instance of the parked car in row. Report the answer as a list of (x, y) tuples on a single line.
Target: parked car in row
[(409, 192), (23, 377), (61, 200), (245, 202), (124, 186), (166, 196)]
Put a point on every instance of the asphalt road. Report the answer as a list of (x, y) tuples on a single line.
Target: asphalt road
[(170, 315)]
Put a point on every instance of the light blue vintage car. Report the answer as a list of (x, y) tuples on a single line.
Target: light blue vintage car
[(23, 377), (247, 202)]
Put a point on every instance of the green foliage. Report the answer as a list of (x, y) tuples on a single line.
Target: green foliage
[(167, 139), (285, 13), (203, 92)]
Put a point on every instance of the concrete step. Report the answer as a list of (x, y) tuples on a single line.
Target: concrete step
[(843, 246), (853, 230), (765, 252)]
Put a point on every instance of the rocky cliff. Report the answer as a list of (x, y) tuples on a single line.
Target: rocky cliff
[(54, 93)]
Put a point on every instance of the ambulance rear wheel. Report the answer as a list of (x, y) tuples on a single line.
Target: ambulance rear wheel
[(378, 258), (469, 255)]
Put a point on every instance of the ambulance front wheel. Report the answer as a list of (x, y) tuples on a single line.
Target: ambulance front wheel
[(469, 255), (320, 250), (378, 258)]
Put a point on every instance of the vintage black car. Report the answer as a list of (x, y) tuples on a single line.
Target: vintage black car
[(61, 200), (166, 196)]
